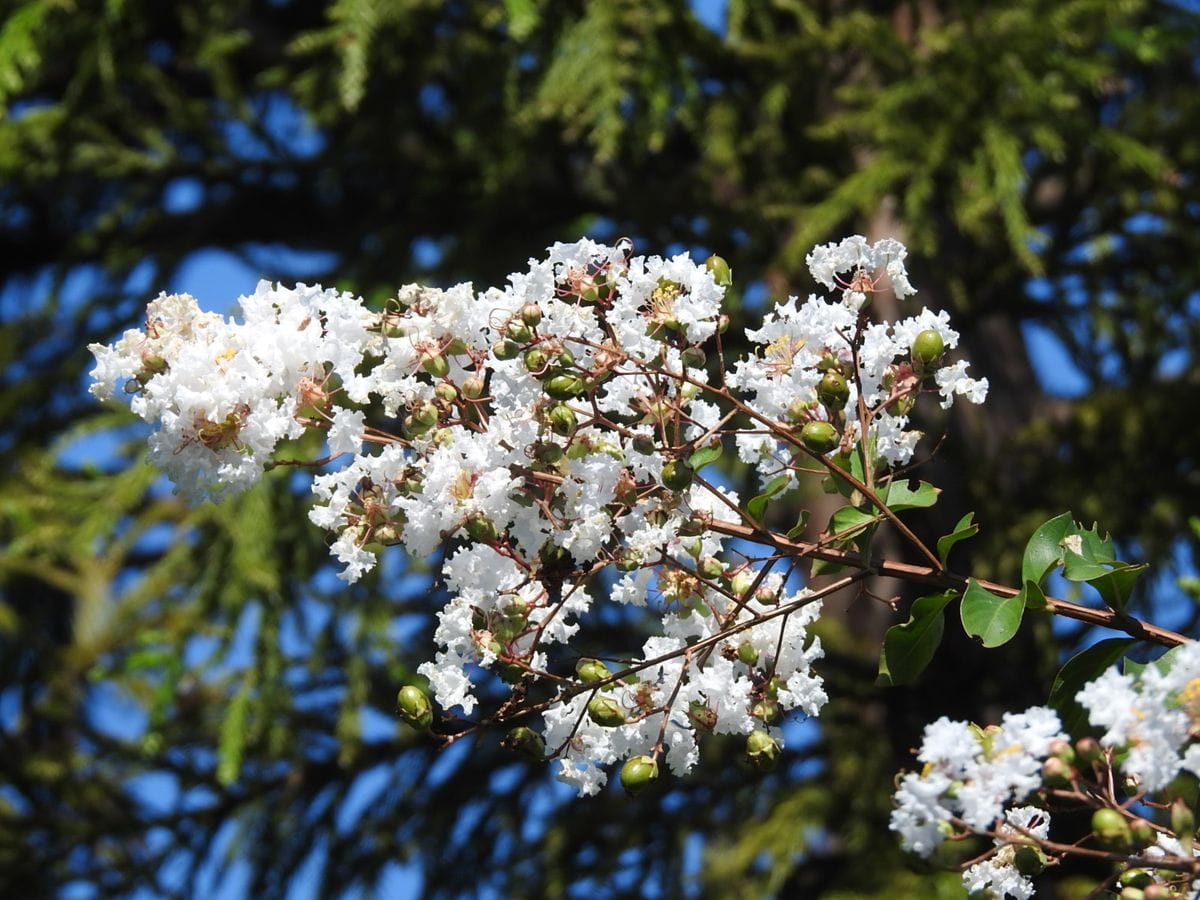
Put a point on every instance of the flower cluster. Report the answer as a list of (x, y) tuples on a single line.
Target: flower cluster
[(553, 433), (971, 775)]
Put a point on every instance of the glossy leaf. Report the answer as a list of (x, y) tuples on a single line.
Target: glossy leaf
[(965, 528), (1044, 550), (908, 648), (900, 495), (990, 617), (758, 505), (705, 456)]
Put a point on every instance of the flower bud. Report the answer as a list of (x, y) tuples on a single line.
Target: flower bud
[(819, 437), (638, 773), (561, 419), (767, 711), (473, 387), (720, 270), (711, 567), (1183, 823), (564, 386), (741, 583), (446, 392), (1063, 750), (591, 671), (531, 314), (506, 349), (1112, 830), (747, 653), (702, 716), (414, 706), (1131, 893), (1029, 861), (1056, 773), (425, 414), (762, 752), (606, 711), (833, 391), (693, 358), (1158, 891), (1143, 835), (927, 349), (774, 686), (518, 331), (481, 529), (435, 364), (525, 741), (766, 596), (1138, 878), (535, 360), (677, 475), (629, 561), (1088, 750), (723, 322)]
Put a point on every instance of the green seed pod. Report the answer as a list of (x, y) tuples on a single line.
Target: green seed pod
[(436, 365), (591, 671), (525, 741), (535, 360), (711, 567), (425, 413), (1143, 835), (702, 717), (767, 711), (693, 358), (747, 653), (414, 706), (531, 314), (1029, 861), (510, 673), (518, 331), (628, 561), (446, 392), (741, 583), (561, 419), (774, 686), (606, 711), (927, 349), (481, 529), (819, 437), (547, 452), (506, 349), (638, 773), (565, 358), (762, 752), (564, 386), (720, 270), (1112, 830), (1138, 878), (833, 391), (677, 475), (413, 428), (473, 387)]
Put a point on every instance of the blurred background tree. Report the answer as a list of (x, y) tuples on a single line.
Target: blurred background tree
[(190, 703)]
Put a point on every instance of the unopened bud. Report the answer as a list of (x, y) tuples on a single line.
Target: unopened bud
[(833, 391), (927, 349), (677, 475), (747, 653), (435, 364), (1029, 861), (518, 331), (1143, 834), (591, 671), (531, 314), (561, 419), (762, 751), (1056, 773), (1088, 751), (414, 706), (525, 741), (446, 392), (693, 358), (481, 529), (1112, 830), (606, 711), (1063, 750), (565, 386), (720, 270), (506, 349), (767, 711), (702, 716), (473, 387), (638, 773), (819, 437)]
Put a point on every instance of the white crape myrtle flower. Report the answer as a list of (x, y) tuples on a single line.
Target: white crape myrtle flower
[(1152, 715), (997, 875), (971, 774), (854, 255)]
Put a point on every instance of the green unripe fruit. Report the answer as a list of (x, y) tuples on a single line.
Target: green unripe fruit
[(762, 752), (819, 437), (535, 360), (711, 567), (414, 706), (1029, 861), (519, 332), (628, 562), (473, 387), (564, 386), (606, 711), (591, 671), (413, 428), (446, 392), (1143, 835), (436, 365), (1138, 878), (741, 583), (774, 685), (720, 270), (927, 349), (747, 653), (638, 773), (481, 529), (561, 419), (565, 358), (767, 711), (531, 314), (693, 358), (1131, 893), (506, 349), (677, 475), (1112, 830), (833, 391), (644, 445), (525, 741), (425, 413)]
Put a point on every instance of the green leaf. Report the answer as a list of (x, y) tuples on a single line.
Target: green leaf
[(1044, 550), (1081, 668), (797, 530), (849, 521), (963, 530), (704, 456), (991, 618), (758, 505), (901, 496), (1035, 598), (232, 743), (908, 648), (825, 567), (1163, 663)]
